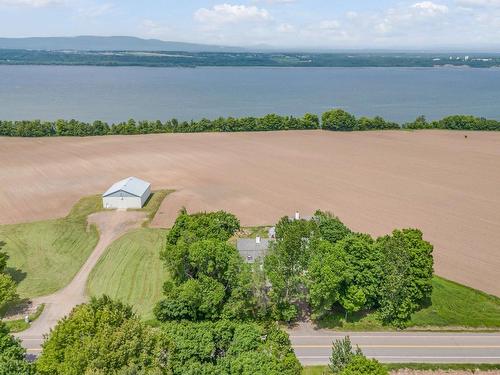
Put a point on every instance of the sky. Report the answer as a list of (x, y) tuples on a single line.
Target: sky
[(318, 24)]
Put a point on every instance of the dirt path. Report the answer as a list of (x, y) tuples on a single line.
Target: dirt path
[(111, 224)]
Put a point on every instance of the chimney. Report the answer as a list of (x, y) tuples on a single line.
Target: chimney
[(257, 240), (297, 215)]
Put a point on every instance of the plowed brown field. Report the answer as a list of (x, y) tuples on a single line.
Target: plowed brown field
[(439, 181)]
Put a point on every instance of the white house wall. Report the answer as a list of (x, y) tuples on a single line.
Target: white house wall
[(122, 202)]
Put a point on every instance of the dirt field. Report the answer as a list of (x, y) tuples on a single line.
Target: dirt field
[(444, 372), (439, 181)]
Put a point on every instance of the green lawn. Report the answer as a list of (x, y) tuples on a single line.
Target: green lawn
[(457, 305), (131, 270), (21, 325), (453, 306), (323, 370), (315, 370), (46, 255)]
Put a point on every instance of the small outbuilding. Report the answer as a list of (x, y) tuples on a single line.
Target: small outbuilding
[(131, 192)]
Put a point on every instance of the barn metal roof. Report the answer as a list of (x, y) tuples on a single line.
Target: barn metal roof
[(131, 185)]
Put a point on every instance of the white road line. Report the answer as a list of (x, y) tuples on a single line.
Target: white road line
[(406, 346), (398, 357), (486, 335)]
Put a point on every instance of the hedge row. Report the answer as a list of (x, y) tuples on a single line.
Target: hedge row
[(336, 120)]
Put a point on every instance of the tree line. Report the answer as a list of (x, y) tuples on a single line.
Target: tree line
[(334, 120), (318, 263)]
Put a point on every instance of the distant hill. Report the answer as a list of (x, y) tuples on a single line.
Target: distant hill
[(108, 43)]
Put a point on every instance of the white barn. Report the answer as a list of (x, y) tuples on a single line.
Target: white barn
[(131, 192)]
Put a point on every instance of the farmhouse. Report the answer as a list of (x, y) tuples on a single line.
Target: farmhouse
[(128, 193), (252, 249)]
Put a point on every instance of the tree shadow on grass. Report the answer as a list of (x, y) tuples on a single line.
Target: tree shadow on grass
[(337, 319), (16, 274)]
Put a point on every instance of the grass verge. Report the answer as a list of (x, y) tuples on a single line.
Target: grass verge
[(153, 204), (44, 256), (131, 270), (20, 325), (453, 307), (323, 370)]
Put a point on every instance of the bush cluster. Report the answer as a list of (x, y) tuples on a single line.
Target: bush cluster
[(456, 122), (334, 120)]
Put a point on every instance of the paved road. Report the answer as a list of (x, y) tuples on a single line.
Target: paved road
[(313, 347), (111, 224)]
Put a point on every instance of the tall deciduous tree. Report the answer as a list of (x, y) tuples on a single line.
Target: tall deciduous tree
[(7, 284), (12, 355), (407, 269), (286, 264), (338, 119), (102, 337)]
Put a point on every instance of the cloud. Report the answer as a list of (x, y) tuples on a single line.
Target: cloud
[(31, 3), (286, 28), (329, 25), (430, 8), (228, 13), (275, 1), (95, 10), (479, 3)]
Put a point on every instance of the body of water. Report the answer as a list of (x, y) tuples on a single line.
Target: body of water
[(116, 94)]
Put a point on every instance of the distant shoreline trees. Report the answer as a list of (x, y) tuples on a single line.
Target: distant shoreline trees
[(334, 120)]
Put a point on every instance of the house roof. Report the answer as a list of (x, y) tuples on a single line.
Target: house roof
[(131, 185), (251, 250)]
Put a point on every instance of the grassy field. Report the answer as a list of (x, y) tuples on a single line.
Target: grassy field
[(46, 255), (453, 306), (131, 270), (457, 305)]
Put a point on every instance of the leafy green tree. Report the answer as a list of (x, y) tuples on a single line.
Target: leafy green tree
[(227, 347), (360, 365), (363, 270), (203, 226), (210, 279), (338, 119), (327, 274), (12, 355), (407, 269), (286, 264), (353, 300), (196, 299), (189, 229), (7, 284), (342, 355), (102, 336), (330, 227)]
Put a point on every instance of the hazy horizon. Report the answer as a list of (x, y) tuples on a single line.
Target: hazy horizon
[(278, 48), (313, 25)]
